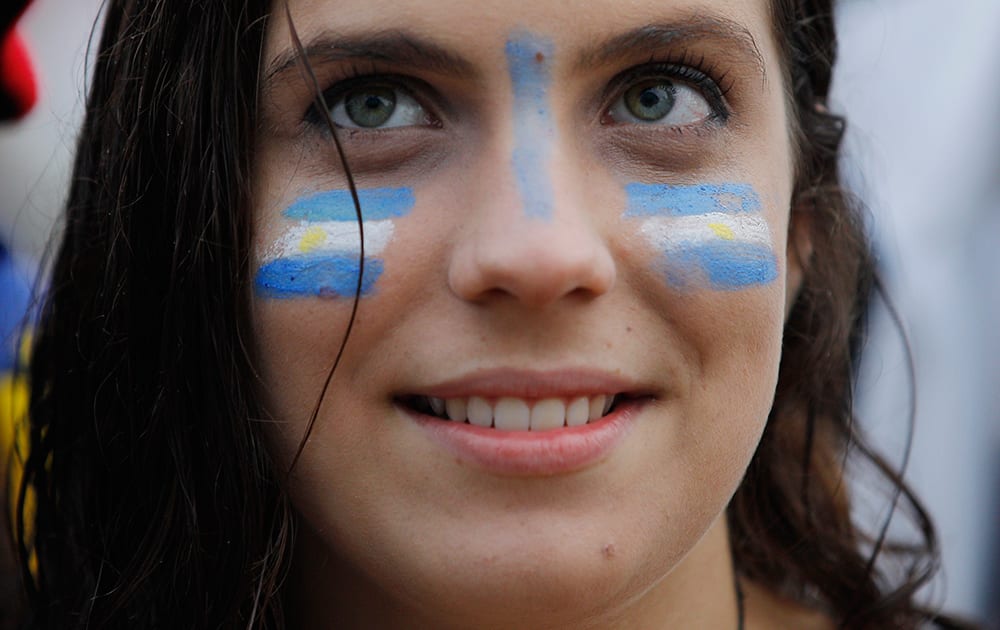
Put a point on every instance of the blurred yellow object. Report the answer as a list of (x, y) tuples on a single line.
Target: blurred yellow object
[(14, 392)]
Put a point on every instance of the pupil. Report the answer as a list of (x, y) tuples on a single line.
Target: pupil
[(649, 98)]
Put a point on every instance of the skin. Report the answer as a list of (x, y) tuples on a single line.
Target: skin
[(396, 532)]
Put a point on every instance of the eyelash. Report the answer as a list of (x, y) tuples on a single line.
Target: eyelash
[(686, 66)]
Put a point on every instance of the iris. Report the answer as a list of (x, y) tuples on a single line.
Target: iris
[(371, 106), (651, 101)]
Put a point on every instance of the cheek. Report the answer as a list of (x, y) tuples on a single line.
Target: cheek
[(295, 356), (707, 236), (711, 263), (308, 272), (315, 252)]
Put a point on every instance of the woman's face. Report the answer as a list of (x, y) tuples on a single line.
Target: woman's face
[(570, 321)]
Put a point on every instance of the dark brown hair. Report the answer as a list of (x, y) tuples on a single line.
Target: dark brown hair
[(790, 521), (157, 505)]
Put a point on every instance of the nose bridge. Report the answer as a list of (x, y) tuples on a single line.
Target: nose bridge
[(529, 63), (535, 233)]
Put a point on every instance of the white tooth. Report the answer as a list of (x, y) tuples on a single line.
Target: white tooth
[(456, 408), (511, 414), (597, 407), (607, 405), (480, 412), (578, 412), (437, 405), (548, 414)]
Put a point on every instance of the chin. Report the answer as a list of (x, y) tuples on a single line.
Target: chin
[(571, 584), (567, 572)]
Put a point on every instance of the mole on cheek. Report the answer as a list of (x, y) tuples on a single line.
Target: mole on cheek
[(608, 551)]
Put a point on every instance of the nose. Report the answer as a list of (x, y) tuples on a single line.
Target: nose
[(508, 251)]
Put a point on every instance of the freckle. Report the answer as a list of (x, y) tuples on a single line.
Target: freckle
[(539, 56), (628, 329), (608, 551)]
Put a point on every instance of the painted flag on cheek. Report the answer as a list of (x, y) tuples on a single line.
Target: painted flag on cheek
[(711, 235), (318, 254)]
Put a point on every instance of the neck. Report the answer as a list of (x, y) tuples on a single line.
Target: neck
[(326, 591)]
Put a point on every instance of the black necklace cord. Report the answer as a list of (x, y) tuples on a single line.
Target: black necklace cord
[(740, 604)]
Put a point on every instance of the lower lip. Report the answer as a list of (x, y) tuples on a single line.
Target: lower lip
[(532, 453)]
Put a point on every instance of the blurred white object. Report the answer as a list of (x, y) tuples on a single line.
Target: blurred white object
[(36, 152), (917, 80)]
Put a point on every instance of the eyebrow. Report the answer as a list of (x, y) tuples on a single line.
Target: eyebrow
[(401, 48), (389, 46), (653, 36)]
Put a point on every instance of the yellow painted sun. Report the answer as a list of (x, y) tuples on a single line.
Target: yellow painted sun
[(313, 238), (722, 230)]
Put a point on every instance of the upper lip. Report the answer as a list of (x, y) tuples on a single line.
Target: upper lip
[(532, 384)]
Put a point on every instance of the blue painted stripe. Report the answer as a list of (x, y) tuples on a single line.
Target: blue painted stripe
[(665, 199), (529, 60), (316, 275), (337, 205), (726, 265)]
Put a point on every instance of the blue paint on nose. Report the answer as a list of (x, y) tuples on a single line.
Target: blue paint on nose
[(529, 63)]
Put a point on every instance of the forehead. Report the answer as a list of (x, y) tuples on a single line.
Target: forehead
[(472, 33)]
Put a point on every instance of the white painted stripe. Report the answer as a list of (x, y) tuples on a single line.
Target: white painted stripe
[(667, 232), (341, 237)]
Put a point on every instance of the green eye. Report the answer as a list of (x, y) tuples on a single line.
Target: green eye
[(650, 102), (375, 104), (661, 101), (370, 107)]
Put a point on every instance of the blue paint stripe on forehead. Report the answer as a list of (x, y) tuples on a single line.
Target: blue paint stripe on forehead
[(529, 61), (337, 205), (665, 199), (324, 275)]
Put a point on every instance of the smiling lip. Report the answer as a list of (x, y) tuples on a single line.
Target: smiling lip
[(533, 453), (533, 384)]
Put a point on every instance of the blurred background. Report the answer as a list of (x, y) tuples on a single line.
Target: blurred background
[(918, 81)]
